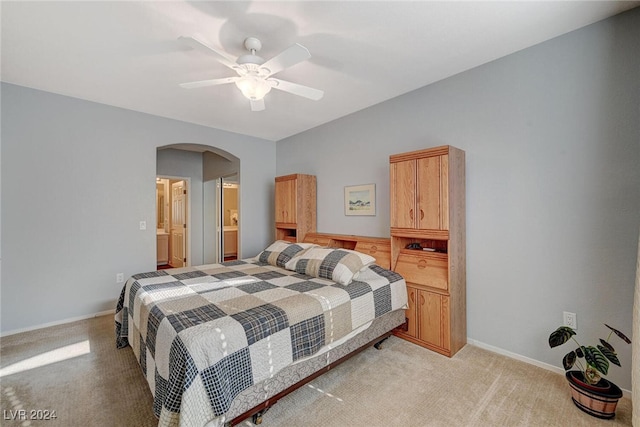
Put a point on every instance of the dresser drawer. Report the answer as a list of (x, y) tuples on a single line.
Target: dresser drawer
[(426, 269), (318, 240)]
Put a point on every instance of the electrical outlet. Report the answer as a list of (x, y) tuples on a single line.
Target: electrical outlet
[(120, 278), (570, 320)]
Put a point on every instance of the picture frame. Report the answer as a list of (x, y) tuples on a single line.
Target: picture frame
[(360, 200)]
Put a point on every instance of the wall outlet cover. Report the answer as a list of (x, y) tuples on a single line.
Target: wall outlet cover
[(570, 320)]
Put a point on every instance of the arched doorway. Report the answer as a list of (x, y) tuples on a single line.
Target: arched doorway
[(205, 168)]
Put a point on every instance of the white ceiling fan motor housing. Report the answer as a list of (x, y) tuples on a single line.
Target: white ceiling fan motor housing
[(253, 45)]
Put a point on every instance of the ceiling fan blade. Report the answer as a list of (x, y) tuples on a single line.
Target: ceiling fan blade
[(285, 59), (296, 89), (257, 105), (222, 57), (212, 82)]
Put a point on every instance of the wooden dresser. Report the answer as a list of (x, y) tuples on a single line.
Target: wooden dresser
[(295, 206), (427, 197)]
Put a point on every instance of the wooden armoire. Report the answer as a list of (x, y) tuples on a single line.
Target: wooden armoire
[(295, 202), (428, 246)]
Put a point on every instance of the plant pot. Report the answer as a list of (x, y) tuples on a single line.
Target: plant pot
[(599, 400)]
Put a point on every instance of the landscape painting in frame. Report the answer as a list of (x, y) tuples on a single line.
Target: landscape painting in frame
[(360, 200)]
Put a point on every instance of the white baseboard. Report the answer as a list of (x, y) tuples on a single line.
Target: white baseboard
[(56, 323), (626, 393)]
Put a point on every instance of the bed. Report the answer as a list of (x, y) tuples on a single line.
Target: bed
[(219, 343)]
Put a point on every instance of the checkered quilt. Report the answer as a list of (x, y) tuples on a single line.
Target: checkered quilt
[(204, 334)]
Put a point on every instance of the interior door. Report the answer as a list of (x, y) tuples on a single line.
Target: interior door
[(178, 223), (229, 213)]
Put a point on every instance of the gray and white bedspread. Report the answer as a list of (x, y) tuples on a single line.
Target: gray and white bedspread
[(204, 334)]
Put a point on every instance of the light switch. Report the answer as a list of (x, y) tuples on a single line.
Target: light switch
[(143, 225)]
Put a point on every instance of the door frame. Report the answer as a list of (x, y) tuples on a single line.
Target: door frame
[(221, 213), (187, 236)]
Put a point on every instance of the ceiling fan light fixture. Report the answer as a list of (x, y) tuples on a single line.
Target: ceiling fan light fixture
[(253, 88), (254, 75)]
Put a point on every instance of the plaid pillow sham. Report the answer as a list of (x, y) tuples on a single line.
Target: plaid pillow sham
[(339, 265), (281, 251)]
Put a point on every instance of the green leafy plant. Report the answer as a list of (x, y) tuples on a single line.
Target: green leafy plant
[(596, 358)]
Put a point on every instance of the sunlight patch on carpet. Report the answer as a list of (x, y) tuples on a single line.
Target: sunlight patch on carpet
[(53, 356), (324, 392)]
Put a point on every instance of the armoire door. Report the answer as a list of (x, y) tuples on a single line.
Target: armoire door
[(403, 195), (286, 201), (433, 190)]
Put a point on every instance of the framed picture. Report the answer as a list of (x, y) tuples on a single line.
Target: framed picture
[(360, 200)]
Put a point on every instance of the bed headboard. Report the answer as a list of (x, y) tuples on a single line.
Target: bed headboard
[(377, 247)]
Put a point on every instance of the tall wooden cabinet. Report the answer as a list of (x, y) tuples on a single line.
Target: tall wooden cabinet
[(295, 201), (428, 246)]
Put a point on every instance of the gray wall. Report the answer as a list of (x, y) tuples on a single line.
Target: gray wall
[(77, 178), (552, 141), (216, 166)]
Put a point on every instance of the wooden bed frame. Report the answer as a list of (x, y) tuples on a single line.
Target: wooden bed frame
[(380, 249)]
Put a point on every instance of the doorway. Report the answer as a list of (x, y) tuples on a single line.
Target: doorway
[(172, 223), (229, 218), (221, 211)]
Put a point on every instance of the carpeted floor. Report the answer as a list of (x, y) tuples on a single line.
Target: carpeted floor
[(76, 371)]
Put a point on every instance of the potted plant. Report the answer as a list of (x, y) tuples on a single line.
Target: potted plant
[(590, 392)]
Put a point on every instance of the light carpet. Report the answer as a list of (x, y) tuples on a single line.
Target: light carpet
[(76, 371)]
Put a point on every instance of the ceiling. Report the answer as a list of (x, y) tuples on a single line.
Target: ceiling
[(127, 54)]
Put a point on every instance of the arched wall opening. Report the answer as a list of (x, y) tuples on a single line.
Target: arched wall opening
[(211, 233)]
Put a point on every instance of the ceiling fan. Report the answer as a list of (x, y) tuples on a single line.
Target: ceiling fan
[(254, 77)]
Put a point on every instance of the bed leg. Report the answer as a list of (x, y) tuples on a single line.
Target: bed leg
[(378, 345), (257, 417)]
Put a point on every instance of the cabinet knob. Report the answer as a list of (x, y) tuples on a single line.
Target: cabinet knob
[(421, 214), (411, 213), (422, 264), (373, 250)]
